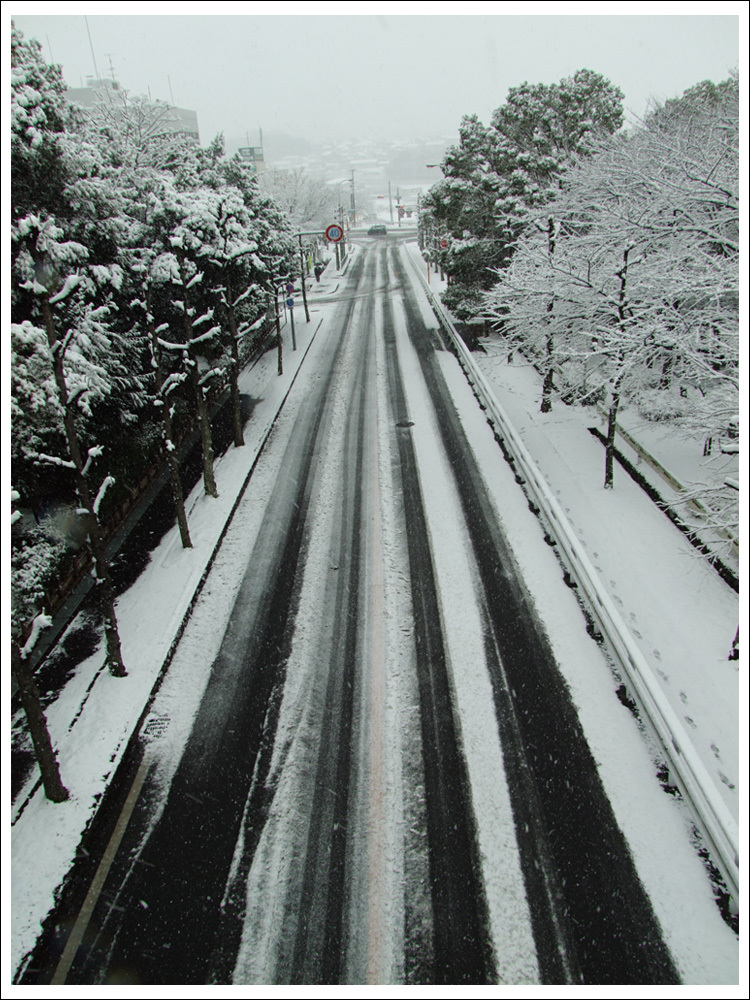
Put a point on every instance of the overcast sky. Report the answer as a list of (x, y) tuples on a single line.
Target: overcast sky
[(379, 73)]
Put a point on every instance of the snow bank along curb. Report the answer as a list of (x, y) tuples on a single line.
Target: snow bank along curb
[(713, 818)]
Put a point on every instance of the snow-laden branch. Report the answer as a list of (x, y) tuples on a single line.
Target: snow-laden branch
[(167, 345), (172, 382), (205, 336), (204, 318), (53, 460), (107, 482), (96, 452), (244, 295), (41, 621), (211, 373), (71, 283)]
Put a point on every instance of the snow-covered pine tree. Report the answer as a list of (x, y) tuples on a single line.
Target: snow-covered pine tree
[(164, 381), (188, 240), (497, 172), (64, 283), (275, 260), (73, 303)]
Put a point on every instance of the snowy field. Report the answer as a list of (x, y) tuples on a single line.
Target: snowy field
[(679, 611)]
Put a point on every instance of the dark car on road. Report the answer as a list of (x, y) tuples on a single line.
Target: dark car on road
[(377, 231)]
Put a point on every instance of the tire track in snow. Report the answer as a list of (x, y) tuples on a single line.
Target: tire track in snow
[(592, 919), (462, 952)]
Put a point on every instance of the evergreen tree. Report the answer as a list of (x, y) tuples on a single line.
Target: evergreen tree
[(63, 305), (496, 173), (73, 303)]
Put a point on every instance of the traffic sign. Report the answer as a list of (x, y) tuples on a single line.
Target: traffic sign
[(290, 303), (444, 244), (289, 287), (334, 234)]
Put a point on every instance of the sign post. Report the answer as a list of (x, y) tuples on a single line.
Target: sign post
[(290, 305), (334, 234)]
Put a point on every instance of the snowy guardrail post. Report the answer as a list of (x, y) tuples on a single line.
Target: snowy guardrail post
[(713, 818)]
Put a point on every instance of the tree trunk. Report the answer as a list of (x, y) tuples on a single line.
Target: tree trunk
[(623, 314), (548, 384), (166, 437), (666, 370), (547, 387), (54, 789), (239, 438), (175, 483), (104, 589), (204, 423), (609, 451)]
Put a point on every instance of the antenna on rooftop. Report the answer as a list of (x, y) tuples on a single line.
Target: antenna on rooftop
[(171, 97), (91, 46)]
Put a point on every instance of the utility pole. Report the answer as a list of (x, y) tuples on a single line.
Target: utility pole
[(280, 367), (353, 203), (302, 274), (390, 201)]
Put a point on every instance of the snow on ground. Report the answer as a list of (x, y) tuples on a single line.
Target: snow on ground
[(456, 574), (681, 614), (91, 742), (655, 825)]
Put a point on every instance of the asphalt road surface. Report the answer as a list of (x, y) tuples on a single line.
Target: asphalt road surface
[(339, 813)]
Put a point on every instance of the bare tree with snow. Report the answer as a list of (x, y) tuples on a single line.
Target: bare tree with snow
[(644, 275)]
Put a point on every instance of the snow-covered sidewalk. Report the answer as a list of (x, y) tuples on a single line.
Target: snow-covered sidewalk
[(95, 714)]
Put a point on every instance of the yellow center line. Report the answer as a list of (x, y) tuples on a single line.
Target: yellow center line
[(84, 916)]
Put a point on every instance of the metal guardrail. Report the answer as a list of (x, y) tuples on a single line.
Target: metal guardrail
[(715, 822)]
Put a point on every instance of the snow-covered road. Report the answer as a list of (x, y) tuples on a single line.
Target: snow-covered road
[(386, 750)]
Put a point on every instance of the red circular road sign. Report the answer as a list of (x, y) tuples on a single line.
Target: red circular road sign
[(334, 233), (444, 243)]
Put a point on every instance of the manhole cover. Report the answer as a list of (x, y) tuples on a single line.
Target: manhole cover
[(155, 727)]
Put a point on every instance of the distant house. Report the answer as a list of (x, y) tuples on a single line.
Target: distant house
[(181, 121)]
